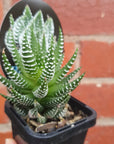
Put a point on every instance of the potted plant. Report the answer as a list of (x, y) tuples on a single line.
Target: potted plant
[(39, 105)]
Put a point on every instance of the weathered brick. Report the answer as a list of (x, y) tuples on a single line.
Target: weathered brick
[(100, 135), (99, 98), (85, 17), (97, 58), (1, 11), (3, 136)]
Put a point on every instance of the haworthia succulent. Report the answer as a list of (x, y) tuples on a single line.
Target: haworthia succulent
[(38, 86)]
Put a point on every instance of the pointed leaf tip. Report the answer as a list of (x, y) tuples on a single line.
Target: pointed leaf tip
[(3, 51)]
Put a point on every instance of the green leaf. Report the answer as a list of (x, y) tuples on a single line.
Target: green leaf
[(59, 50), (11, 99), (11, 46), (27, 12), (13, 75), (21, 23), (41, 56), (20, 110), (64, 88), (11, 21), (51, 113), (41, 119), (35, 112), (41, 91), (56, 112), (69, 87), (39, 25), (28, 58), (55, 101), (24, 100), (66, 68), (70, 76), (48, 30), (32, 40), (6, 81), (49, 70)]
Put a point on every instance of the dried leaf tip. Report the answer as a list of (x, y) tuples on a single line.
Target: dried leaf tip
[(3, 52), (48, 16)]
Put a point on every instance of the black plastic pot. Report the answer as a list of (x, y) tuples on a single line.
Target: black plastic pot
[(73, 134)]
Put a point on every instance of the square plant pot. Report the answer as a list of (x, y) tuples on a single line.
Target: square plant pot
[(72, 134)]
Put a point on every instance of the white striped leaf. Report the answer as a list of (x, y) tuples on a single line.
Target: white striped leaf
[(13, 75), (49, 70), (63, 71), (41, 91), (59, 56)]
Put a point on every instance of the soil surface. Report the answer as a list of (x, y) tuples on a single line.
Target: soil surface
[(53, 125)]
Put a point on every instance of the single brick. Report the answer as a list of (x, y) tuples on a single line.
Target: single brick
[(99, 98), (3, 137), (97, 58), (1, 11), (79, 17), (100, 135)]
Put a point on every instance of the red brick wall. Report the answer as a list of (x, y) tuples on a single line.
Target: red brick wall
[(89, 26)]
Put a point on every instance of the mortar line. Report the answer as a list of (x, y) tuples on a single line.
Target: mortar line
[(5, 127), (6, 6), (105, 121), (99, 38), (97, 81)]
